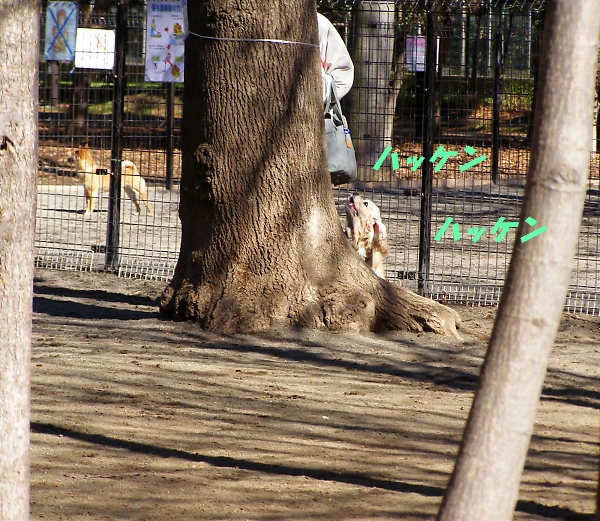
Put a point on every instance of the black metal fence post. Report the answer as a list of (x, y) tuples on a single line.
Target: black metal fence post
[(427, 167), (114, 205), (170, 130), (420, 105)]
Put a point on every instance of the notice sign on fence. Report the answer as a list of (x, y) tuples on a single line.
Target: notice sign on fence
[(416, 47), (166, 29), (95, 49), (61, 30)]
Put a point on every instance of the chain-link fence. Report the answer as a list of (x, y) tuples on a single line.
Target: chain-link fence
[(452, 80)]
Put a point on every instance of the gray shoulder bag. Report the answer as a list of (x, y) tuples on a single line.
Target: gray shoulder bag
[(340, 151)]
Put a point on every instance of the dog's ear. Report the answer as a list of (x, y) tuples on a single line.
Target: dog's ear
[(380, 240)]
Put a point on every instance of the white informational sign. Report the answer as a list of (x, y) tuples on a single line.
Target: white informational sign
[(61, 30), (416, 47), (95, 49), (166, 29)]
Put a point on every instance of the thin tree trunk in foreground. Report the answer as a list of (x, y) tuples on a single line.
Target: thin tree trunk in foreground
[(261, 239), (485, 481), (19, 27), (598, 496)]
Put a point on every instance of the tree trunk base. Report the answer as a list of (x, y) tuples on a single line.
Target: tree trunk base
[(360, 303)]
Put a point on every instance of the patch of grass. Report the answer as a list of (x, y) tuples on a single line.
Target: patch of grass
[(100, 108), (140, 105)]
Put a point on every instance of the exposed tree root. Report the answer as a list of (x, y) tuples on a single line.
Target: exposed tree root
[(361, 303)]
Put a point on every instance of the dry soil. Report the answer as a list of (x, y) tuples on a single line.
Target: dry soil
[(135, 417)]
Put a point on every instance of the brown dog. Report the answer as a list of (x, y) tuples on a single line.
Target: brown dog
[(366, 232), (93, 183)]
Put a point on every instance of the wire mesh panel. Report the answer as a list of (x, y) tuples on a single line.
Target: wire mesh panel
[(76, 110), (482, 123)]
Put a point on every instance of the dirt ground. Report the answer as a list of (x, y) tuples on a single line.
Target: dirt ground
[(135, 417)]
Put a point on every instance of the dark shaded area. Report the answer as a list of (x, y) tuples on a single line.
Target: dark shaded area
[(43, 302), (96, 294), (237, 463), (59, 308), (530, 507)]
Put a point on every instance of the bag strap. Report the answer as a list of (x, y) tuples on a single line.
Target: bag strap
[(332, 103)]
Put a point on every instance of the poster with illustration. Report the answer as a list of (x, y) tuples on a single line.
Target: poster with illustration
[(61, 30), (95, 49), (166, 29)]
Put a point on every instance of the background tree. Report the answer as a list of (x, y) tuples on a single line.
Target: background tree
[(80, 103), (371, 114), (485, 481), (19, 48), (261, 238)]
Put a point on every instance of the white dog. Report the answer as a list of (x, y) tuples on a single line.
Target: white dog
[(93, 183), (366, 232)]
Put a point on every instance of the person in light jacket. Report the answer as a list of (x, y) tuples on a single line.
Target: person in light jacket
[(336, 64)]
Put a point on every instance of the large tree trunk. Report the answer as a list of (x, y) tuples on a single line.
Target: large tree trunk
[(261, 239), (19, 27), (80, 104), (485, 481)]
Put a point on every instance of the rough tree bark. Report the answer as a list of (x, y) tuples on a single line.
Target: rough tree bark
[(19, 27), (261, 239), (485, 481)]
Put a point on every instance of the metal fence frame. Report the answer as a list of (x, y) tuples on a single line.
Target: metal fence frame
[(474, 88)]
